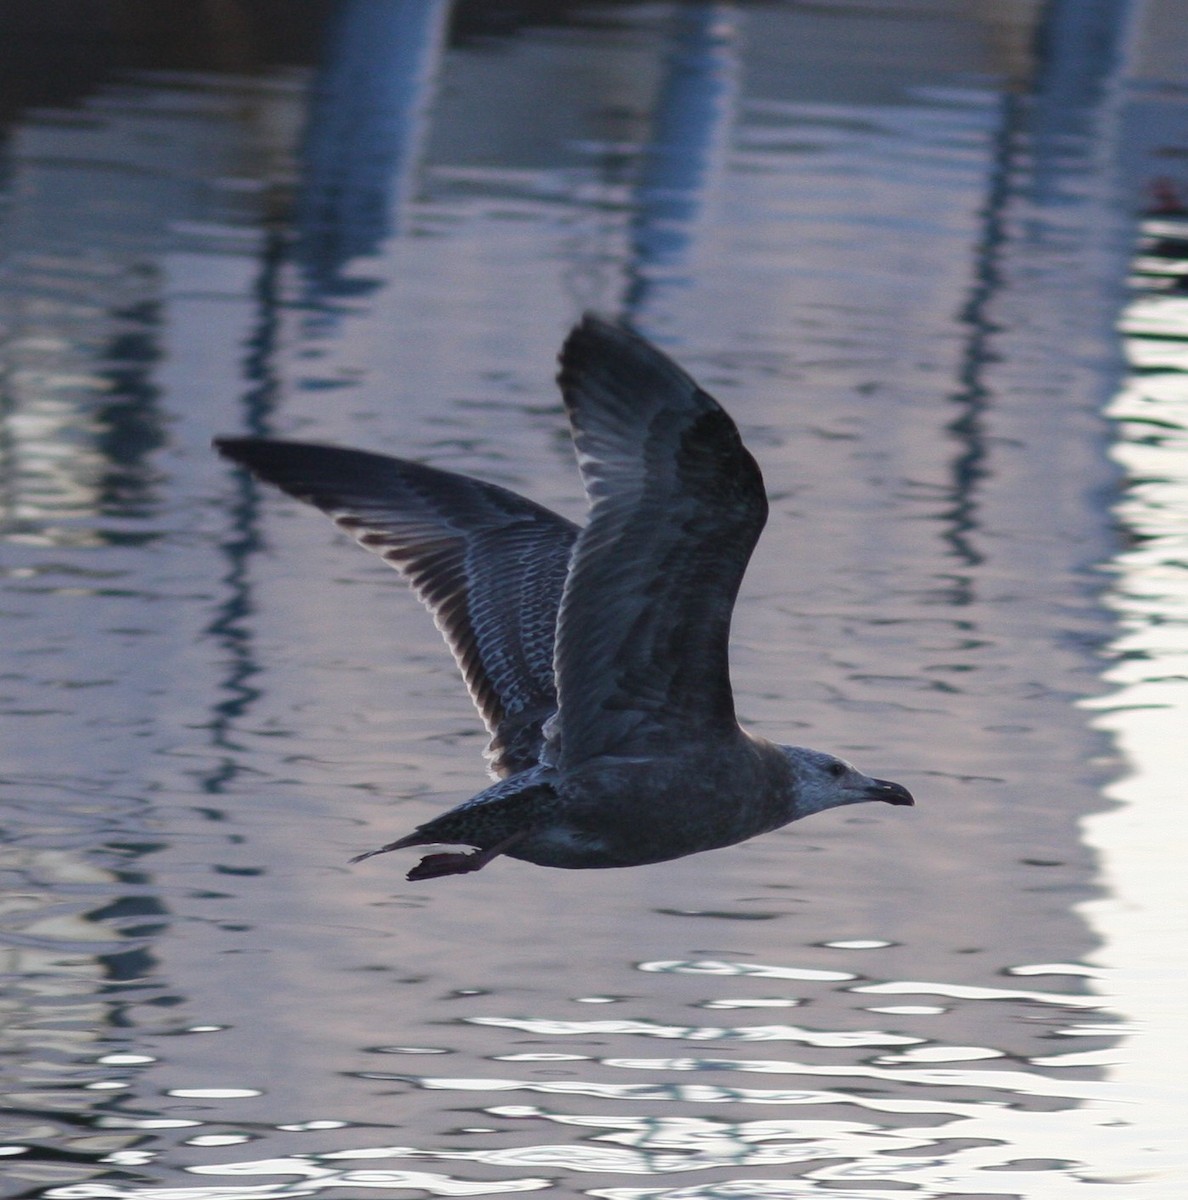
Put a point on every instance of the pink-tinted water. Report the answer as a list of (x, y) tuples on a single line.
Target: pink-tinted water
[(893, 240)]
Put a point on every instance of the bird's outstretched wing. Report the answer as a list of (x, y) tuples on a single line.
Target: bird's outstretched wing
[(488, 563), (677, 505)]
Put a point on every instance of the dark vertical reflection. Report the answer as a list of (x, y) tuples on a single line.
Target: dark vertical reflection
[(1076, 46), (689, 130), (130, 425), (971, 399), (358, 163), (230, 627), (367, 106), (88, 279)]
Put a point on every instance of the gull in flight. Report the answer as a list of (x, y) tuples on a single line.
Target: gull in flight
[(596, 655)]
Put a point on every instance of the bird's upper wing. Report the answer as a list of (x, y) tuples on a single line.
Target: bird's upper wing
[(488, 563), (677, 505)]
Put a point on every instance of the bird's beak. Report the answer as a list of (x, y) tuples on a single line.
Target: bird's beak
[(889, 793)]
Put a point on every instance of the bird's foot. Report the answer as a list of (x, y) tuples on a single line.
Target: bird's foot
[(458, 862), (453, 862)]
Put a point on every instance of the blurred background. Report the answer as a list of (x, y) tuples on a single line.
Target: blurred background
[(933, 257)]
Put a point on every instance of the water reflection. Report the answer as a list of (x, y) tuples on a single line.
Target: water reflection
[(702, 1033), (683, 159), (1148, 672), (368, 105), (94, 199), (877, 234)]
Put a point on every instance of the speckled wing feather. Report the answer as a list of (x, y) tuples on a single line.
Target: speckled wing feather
[(677, 505), (488, 563)]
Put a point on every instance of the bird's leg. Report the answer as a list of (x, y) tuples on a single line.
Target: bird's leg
[(458, 862)]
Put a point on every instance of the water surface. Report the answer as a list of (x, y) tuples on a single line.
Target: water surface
[(895, 242)]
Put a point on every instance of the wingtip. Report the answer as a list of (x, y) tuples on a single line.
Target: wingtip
[(233, 448), (275, 460), (595, 332), (609, 350), (603, 323)]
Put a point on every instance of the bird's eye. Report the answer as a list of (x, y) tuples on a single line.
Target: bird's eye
[(837, 769)]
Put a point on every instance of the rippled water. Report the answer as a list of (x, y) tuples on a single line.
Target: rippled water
[(895, 240)]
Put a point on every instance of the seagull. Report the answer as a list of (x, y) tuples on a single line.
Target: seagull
[(595, 655)]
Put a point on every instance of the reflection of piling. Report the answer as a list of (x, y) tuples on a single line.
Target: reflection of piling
[(972, 397), (229, 627), (364, 131), (685, 150)]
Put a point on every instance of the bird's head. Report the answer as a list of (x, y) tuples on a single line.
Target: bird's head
[(821, 781)]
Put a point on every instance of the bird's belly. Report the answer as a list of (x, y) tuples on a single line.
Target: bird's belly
[(631, 818)]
